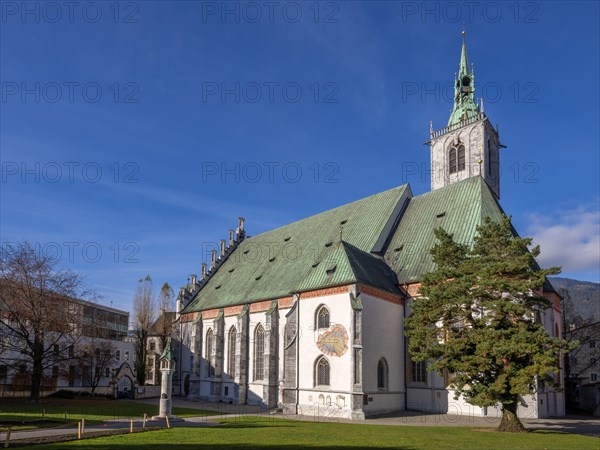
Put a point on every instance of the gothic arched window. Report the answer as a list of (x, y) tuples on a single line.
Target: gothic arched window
[(322, 372), (461, 157), (323, 317), (231, 352), (259, 353), (210, 342), (382, 374), (452, 160)]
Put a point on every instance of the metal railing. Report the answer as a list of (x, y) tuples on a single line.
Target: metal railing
[(456, 126)]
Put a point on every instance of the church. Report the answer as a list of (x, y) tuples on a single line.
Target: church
[(309, 317)]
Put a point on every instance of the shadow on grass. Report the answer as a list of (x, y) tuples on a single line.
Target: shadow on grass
[(82, 446), (240, 425)]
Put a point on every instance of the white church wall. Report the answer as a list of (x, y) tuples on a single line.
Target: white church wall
[(332, 400), (383, 337)]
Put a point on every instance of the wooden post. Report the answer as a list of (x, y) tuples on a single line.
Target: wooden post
[(7, 438), (168, 424), (131, 425), (83, 425), (144, 424), (43, 414), (78, 430)]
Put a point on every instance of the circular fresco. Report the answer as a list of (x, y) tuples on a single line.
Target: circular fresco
[(333, 342)]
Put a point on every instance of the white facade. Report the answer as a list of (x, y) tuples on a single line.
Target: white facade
[(357, 385), (288, 374)]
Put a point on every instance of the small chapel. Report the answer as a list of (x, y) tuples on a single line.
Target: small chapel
[(309, 317)]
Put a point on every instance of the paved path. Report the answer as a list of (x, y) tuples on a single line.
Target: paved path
[(109, 425)]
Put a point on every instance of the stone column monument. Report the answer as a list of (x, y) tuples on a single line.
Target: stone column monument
[(167, 368)]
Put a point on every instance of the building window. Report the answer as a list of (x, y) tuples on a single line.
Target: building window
[(592, 344), (3, 371), (259, 353), (231, 352), (118, 356), (209, 350), (452, 160), (382, 374), (152, 346), (419, 372), (322, 372), (126, 356), (71, 351), (594, 377), (461, 157), (323, 317), (107, 372), (71, 376), (4, 343)]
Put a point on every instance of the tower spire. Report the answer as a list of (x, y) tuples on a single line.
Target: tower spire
[(464, 61), (464, 89)]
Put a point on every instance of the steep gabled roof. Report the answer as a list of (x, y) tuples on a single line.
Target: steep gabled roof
[(279, 262), (459, 208), (345, 264)]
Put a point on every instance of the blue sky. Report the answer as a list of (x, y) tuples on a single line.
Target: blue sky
[(133, 137)]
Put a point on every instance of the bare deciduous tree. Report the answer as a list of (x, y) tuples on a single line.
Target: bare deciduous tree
[(166, 304), (40, 316), (96, 357), (144, 314)]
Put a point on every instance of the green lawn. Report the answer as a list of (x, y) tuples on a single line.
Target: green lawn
[(89, 408), (254, 433)]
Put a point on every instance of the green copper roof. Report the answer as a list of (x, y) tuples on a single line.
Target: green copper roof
[(464, 90), (345, 264), (459, 208), (168, 353), (300, 256)]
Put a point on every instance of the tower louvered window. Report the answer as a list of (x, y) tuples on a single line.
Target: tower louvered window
[(452, 160), (461, 157)]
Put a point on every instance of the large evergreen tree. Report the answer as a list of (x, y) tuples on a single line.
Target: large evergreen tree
[(478, 319)]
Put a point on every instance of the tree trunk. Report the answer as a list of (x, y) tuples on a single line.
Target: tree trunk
[(37, 372), (510, 421)]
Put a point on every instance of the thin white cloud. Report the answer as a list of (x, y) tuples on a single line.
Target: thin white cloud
[(568, 238)]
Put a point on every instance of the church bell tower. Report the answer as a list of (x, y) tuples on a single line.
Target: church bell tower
[(469, 145)]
